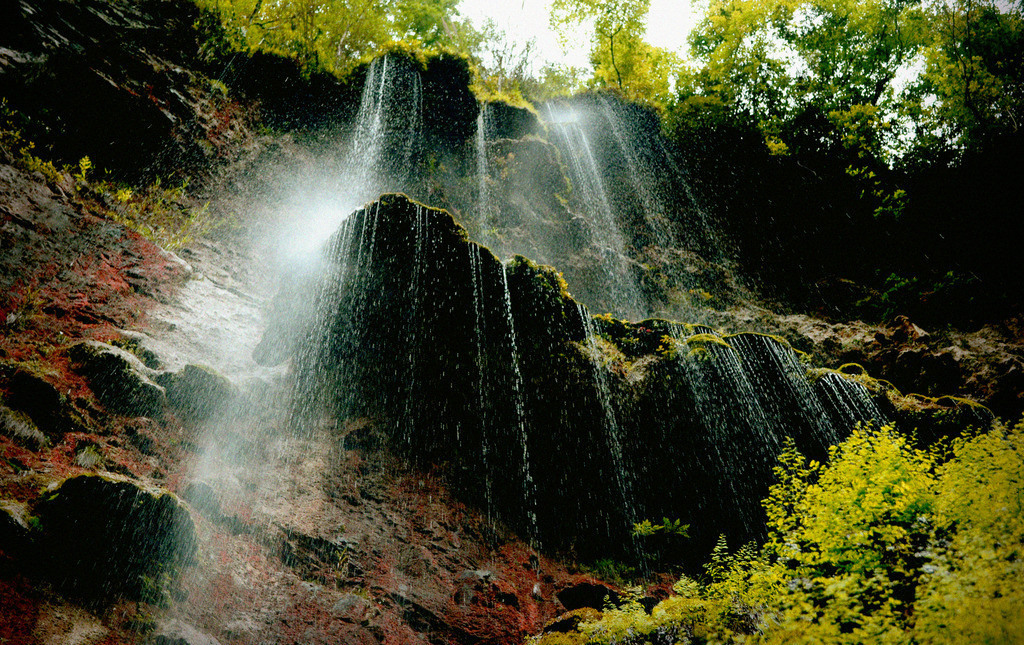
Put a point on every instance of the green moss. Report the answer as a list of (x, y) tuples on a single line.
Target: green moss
[(700, 345), (853, 369), (856, 373), (803, 356), (548, 278), (943, 401), (489, 94), (604, 353), (107, 536)]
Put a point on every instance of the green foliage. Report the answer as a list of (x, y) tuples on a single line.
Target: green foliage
[(620, 56), (900, 295), (613, 571), (165, 216), (14, 146), (773, 60), (84, 166), (882, 544), (974, 67), (646, 528), (888, 75), (340, 33)]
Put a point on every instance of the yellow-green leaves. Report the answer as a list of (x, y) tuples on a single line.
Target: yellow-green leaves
[(882, 544), (337, 33), (620, 56), (972, 593)]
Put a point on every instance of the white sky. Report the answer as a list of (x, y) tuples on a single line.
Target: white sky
[(669, 23)]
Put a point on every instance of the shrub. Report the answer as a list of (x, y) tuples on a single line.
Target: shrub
[(884, 543)]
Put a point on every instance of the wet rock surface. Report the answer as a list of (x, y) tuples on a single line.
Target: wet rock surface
[(512, 346), (198, 391), (176, 632), (105, 537), (104, 73), (119, 379), (985, 365)]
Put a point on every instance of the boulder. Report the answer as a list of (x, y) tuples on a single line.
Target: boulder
[(198, 391), (119, 379), (15, 529), (19, 426), (569, 621), (30, 392), (354, 609), (137, 342), (507, 121), (106, 536)]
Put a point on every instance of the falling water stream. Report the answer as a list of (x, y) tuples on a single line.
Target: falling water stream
[(641, 176), (612, 432), (485, 207), (589, 189), (519, 403)]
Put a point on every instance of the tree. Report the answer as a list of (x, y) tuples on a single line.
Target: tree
[(620, 56), (973, 82), (773, 60), (337, 33)]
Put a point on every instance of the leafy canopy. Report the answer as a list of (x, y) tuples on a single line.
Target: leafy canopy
[(337, 33), (620, 56)]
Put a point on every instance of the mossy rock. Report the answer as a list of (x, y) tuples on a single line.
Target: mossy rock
[(119, 379), (106, 536), (15, 529), (542, 305), (932, 418), (198, 391), (20, 427), (511, 122), (570, 621), (31, 392)]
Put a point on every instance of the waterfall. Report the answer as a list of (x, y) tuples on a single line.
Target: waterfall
[(612, 431), (658, 183), (382, 154), (388, 129), (519, 403), (484, 388), (477, 365), (412, 327), (485, 209), (741, 439), (784, 387), (591, 196), (848, 400), (642, 177)]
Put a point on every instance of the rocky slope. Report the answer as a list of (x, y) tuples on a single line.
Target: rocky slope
[(304, 535)]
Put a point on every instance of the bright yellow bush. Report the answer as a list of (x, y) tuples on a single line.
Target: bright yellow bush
[(883, 544)]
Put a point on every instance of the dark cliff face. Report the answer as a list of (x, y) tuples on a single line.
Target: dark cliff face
[(106, 80), (149, 89), (568, 427)]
